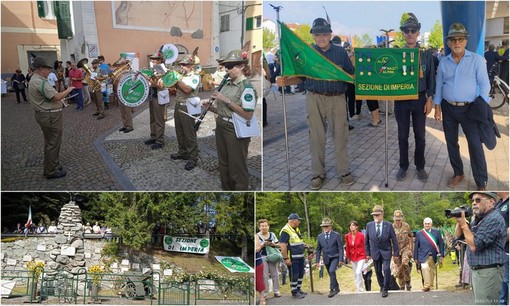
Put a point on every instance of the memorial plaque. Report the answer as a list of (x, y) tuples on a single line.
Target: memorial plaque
[(6, 287), (114, 265), (27, 258), (68, 250), (124, 269), (156, 267), (136, 266), (11, 262), (41, 247), (168, 272), (87, 255), (125, 262), (156, 277), (145, 270)]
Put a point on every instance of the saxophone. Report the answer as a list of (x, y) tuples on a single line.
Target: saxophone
[(93, 83)]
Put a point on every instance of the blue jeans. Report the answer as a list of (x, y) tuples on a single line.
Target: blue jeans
[(453, 116), (78, 98), (404, 111), (503, 292)]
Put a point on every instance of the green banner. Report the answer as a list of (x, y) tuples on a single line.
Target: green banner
[(234, 264), (301, 59), (387, 74), (186, 244)]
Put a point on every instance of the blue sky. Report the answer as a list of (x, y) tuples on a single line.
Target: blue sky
[(356, 17)]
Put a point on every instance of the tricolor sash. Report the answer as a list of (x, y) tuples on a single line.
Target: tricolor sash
[(431, 239)]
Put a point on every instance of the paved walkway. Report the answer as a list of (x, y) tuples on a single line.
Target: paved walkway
[(367, 153), (99, 158)]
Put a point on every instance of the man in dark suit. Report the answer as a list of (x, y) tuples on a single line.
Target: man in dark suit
[(329, 243), (428, 244), (380, 239)]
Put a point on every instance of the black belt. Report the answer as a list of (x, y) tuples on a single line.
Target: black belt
[(327, 94), (454, 103), (486, 267)]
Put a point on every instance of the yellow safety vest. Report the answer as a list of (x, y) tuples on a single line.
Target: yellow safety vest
[(296, 246)]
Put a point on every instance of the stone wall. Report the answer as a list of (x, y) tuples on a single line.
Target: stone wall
[(15, 255)]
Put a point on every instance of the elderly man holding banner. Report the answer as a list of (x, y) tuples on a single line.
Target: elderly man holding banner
[(325, 71)]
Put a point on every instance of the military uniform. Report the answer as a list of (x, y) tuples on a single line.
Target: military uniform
[(232, 151), (97, 96), (186, 134), (48, 115), (402, 268)]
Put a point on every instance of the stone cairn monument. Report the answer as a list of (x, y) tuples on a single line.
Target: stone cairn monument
[(68, 251)]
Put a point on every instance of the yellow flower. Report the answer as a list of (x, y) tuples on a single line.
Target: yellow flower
[(35, 268), (96, 271)]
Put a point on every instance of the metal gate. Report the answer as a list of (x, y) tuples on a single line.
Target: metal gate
[(174, 293)]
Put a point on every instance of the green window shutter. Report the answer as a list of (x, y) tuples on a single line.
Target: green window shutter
[(249, 24), (63, 12), (41, 12)]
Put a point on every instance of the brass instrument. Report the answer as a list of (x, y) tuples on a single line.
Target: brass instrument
[(93, 83), (122, 65), (170, 77)]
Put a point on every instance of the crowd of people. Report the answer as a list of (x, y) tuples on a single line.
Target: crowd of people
[(33, 229), (454, 103), (391, 249)]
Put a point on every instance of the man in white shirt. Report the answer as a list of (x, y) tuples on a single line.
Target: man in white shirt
[(52, 79)]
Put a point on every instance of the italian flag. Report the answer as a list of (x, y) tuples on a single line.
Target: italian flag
[(29, 221)]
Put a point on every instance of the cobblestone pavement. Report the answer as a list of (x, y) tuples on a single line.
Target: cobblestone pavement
[(367, 153), (99, 158)]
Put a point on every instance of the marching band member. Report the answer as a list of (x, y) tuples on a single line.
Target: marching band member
[(97, 96), (160, 97), (238, 96), (186, 135)]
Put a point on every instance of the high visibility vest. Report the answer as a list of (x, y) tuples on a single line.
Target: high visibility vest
[(295, 245)]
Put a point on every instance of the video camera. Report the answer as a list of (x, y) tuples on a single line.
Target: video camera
[(457, 212)]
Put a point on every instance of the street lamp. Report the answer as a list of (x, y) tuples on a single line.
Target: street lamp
[(387, 35)]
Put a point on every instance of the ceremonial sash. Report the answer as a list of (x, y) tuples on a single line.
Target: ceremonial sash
[(431, 239)]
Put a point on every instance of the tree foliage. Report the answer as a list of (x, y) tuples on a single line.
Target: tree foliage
[(269, 39), (303, 32), (347, 206), (436, 35)]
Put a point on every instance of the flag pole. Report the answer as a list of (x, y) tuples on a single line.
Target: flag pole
[(277, 9), (386, 116)]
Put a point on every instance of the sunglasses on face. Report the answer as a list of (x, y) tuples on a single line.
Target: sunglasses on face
[(456, 40), (412, 31), (477, 200), (230, 66)]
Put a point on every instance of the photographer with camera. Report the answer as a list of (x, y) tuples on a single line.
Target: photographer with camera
[(428, 245), (485, 237), (291, 242)]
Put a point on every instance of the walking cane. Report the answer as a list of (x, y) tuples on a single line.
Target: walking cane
[(310, 255), (277, 9)]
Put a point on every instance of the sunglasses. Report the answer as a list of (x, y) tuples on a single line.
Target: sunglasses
[(458, 39), (406, 31), (477, 200), (230, 65)]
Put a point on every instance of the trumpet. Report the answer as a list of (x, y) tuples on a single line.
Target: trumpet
[(160, 72)]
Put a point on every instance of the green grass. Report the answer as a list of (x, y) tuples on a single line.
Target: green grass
[(448, 277)]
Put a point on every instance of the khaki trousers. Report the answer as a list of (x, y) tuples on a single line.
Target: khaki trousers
[(97, 98), (157, 120), (486, 285), (324, 111), (51, 125), (428, 270), (186, 135), (125, 112), (232, 157)]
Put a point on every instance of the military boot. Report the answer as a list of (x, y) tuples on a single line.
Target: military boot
[(408, 285)]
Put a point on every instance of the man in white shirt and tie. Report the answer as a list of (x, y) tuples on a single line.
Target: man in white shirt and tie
[(380, 240)]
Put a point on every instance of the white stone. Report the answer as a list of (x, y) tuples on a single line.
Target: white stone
[(156, 267), (156, 277), (124, 269), (168, 272), (97, 250), (2, 256), (87, 255), (6, 287), (27, 258), (125, 262), (145, 270), (114, 265), (67, 250)]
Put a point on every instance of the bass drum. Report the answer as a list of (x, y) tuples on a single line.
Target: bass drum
[(131, 89)]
